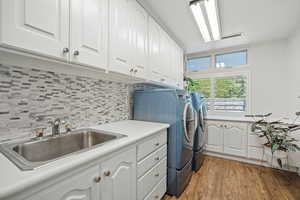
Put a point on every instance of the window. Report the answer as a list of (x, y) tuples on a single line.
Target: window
[(224, 93), (231, 59), (196, 64)]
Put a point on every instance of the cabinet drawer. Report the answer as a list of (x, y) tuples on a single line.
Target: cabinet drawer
[(152, 144), (159, 190), (162, 137), (151, 160), (147, 182)]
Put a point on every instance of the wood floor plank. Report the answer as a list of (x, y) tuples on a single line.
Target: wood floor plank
[(220, 179)]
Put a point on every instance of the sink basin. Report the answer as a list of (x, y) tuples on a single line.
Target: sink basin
[(33, 153)]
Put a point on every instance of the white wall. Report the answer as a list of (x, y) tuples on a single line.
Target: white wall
[(294, 61), (270, 78)]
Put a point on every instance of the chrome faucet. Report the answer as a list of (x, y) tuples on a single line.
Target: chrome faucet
[(56, 127)]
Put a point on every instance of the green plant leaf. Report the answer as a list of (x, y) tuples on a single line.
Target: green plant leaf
[(274, 147)]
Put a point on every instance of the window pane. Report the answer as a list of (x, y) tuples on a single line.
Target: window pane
[(201, 85), (196, 64), (231, 59), (223, 94), (230, 93)]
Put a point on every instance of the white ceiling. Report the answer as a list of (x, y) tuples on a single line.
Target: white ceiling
[(259, 20)]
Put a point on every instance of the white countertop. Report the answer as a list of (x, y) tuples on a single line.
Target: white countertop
[(13, 180)]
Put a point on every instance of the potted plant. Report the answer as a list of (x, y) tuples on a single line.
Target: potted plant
[(276, 135)]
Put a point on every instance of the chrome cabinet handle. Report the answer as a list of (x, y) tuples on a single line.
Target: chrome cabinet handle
[(76, 53), (156, 175), (162, 79), (156, 196), (157, 158), (107, 173), (157, 144), (97, 179), (65, 50)]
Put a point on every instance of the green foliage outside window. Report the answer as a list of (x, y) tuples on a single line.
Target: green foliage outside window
[(225, 87), (230, 87), (200, 85)]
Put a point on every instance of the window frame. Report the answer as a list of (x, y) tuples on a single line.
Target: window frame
[(245, 73)]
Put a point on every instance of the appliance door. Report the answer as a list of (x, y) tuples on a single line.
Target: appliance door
[(189, 123), (202, 115)]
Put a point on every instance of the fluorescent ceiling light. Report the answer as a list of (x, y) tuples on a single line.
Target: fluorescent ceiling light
[(212, 15), (199, 17)]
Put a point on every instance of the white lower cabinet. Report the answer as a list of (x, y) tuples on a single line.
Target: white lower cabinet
[(158, 191), (227, 137), (121, 176), (235, 139), (152, 167), (215, 136), (82, 186)]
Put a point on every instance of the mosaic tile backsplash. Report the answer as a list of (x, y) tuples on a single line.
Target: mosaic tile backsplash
[(31, 98)]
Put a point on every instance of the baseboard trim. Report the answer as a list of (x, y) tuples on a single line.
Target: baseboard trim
[(249, 161)]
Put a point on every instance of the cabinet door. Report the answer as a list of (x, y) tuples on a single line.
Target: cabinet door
[(76, 187), (170, 68), (214, 137), (180, 71), (88, 32), (120, 36), (235, 139), (140, 39), (178, 66), (164, 58), (36, 26), (120, 177), (154, 50)]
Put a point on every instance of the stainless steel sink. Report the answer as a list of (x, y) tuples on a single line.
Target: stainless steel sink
[(33, 153)]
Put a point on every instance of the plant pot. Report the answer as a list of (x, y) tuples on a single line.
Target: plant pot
[(272, 158)]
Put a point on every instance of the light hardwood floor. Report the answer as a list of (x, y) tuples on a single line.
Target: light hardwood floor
[(220, 179)]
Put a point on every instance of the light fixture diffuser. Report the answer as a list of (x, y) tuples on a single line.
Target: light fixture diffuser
[(212, 15), (199, 17), (206, 15)]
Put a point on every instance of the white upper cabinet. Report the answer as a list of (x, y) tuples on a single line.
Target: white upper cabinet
[(37, 26), (88, 32), (154, 49), (139, 40), (180, 68), (120, 36), (165, 57), (115, 35)]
